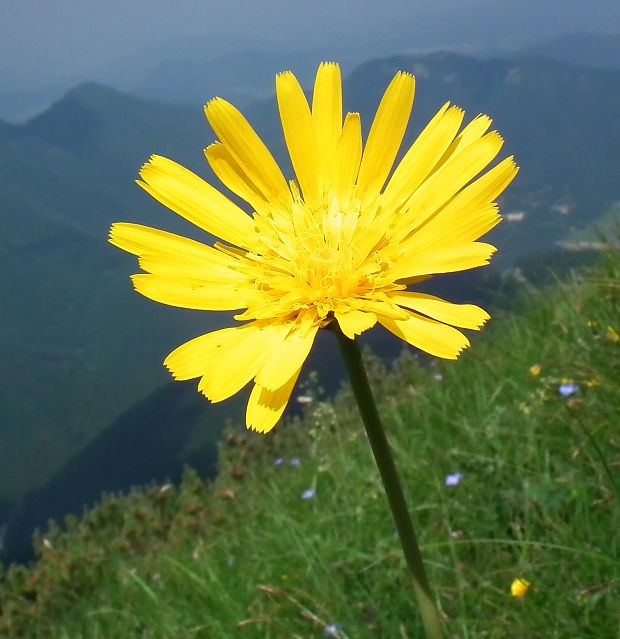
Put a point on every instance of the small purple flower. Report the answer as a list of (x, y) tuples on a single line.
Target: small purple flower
[(332, 630), (568, 390), (295, 461), (279, 461), (308, 494), (454, 479)]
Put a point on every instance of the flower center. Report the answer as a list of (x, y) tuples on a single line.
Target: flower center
[(315, 260), (325, 271)]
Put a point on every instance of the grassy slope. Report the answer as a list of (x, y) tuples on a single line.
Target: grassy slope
[(249, 557)]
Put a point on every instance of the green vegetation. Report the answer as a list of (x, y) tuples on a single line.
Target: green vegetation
[(283, 548), (605, 229)]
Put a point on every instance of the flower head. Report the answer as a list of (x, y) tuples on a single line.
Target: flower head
[(568, 389), (341, 243), (519, 587), (454, 479), (535, 370)]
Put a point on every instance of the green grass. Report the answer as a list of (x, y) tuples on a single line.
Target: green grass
[(247, 556)]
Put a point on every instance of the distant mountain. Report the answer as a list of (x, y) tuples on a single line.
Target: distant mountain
[(595, 50), (79, 347), (242, 77), (560, 121), (152, 441), (22, 104), (74, 351), (6, 130)]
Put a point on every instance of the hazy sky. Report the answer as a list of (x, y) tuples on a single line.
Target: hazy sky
[(47, 40)]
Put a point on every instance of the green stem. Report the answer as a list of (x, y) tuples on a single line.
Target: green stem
[(391, 482)]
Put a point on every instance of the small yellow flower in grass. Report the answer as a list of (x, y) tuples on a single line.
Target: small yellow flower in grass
[(535, 370), (612, 335), (519, 587), (341, 243)]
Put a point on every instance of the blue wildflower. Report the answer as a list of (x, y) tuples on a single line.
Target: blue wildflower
[(454, 479), (332, 630), (568, 389)]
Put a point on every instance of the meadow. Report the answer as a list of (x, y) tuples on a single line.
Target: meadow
[(510, 459)]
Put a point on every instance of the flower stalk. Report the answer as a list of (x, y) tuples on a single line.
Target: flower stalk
[(391, 482)]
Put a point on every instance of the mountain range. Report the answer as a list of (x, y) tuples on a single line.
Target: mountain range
[(79, 348)]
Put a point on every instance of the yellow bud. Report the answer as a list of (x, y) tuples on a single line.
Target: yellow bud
[(519, 587)]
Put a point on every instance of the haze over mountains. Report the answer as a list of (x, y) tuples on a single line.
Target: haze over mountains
[(187, 70), (79, 347)]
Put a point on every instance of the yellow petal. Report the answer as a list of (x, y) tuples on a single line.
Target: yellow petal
[(191, 293), (299, 134), (452, 226), (422, 157), (428, 335), (383, 308), (234, 365), (386, 134), (286, 358), (205, 273), (462, 315), (226, 359), (354, 322), (265, 407), (469, 215), (444, 259), (442, 185), (486, 188), (163, 253), (200, 354), (472, 132), (191, 197), (144, 240), (232, 175), (248, 150), (348, 155), (327, 115)]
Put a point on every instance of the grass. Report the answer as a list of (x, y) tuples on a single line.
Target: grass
[(248, 556)]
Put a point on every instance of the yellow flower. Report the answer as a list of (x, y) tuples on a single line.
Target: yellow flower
[(519, 587), (535, 370), (341, 243), (612, 335)]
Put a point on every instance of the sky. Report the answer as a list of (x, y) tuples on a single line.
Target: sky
[(56, 44)]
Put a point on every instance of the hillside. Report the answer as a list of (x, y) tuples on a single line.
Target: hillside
[(81, 347), (74, 351), (558, 120), (509, 458), (152, 441)]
